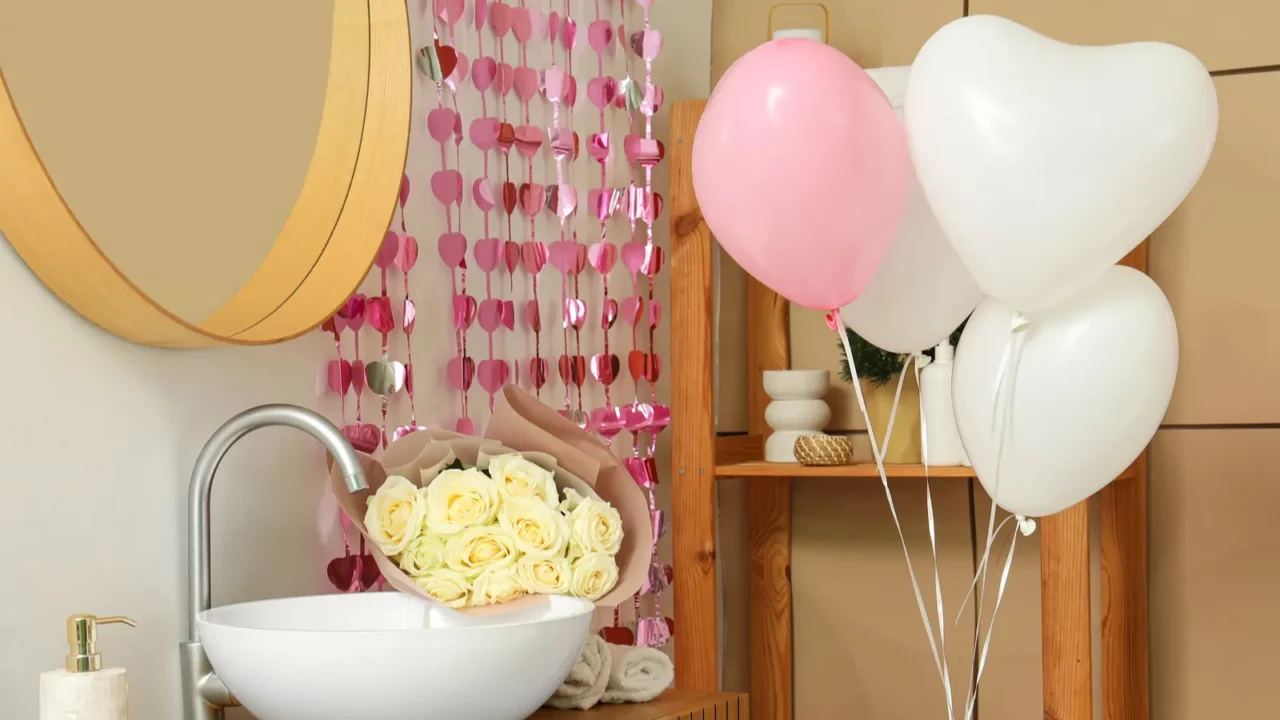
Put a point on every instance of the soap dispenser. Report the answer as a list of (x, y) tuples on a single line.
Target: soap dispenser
[(84, 690)]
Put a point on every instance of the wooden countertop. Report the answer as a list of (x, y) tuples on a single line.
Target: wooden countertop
[(672, 705)]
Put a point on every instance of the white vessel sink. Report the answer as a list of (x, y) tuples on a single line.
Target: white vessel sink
[(390, 656)]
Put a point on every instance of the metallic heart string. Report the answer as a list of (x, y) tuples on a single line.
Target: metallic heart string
[(495, 313), (444, 124), (532, 195), (500, 21), (384, 376), (404, 258)]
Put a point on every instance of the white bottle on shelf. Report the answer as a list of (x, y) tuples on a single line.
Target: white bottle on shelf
[(84, 690), (938, 412)]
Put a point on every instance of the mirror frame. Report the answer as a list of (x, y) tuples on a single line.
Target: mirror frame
[(326, 246)]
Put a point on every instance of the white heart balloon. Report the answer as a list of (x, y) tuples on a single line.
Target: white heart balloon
[(1080, 398), (1045, 163), (922, 291)]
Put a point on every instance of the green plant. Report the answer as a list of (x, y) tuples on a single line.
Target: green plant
[(874, 364)]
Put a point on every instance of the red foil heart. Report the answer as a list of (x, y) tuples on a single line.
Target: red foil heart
[(353, 573), (365, 437), (340, 376), (532, 196), (533, 254), (509, 198), (464, 311), (573, 369), (380, 316), (533, 315), (618, 635), (608, 313), (538, 372), (461, 371), (575, 313), (604, 368)]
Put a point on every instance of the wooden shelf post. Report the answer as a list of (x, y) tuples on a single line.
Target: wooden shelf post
[(693, 490)]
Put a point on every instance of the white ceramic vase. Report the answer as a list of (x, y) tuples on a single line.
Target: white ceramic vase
[(797, 409)]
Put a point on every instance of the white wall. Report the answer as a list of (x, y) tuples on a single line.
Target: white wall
[(97, 439)]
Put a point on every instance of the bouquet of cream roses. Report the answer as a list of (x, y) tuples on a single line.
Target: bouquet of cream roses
[(537, 507), (475, 536)]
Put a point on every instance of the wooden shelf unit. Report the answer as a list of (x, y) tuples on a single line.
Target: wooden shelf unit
[(699, 457)]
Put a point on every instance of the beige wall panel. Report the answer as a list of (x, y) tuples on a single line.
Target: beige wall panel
[(1225, 34), (1216, 257), (873, 33), (1214, 582), (860, 647)]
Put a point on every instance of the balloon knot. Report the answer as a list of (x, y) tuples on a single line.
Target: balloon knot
[(1019, 323), (1026, 525), (833, 321)]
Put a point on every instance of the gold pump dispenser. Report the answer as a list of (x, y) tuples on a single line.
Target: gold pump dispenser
[(82, 637)]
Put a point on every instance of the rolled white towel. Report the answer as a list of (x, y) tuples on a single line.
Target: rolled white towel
[(639, 674), (588, 679)]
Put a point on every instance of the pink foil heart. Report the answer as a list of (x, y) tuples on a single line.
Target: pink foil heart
[(568, 257), (601, 91), (387, 252), (340, 376), (526, 83), (569, 34), (509, 320), (608, 313), (410, 316), (404, 190), (509, 197), (661, 419), (564, 143), (600, 35), (573, 369), (506, 78), (406, 429), (562, 200), (529, 140), (459, 74), (352, 312), (607, 421), (632, 309), (553, 26), (365, 437), (533, 315), (406, 253), (575, 313), (481, 12), (450, 11), (598, 147), (440, 124), (483, 72), (484, 133), (533, 253), (655, 314), (500, 18), (603, 256), (522, 24), (652, 632), (653, 263), (603, 202), (636, 416), (511, 253), (532, 196), (646, 152), (538, 370), (493, 375), (604, 368), (571, 92), (633, 256), (464, 311), (647, 44), (554, 84), (461, 371), (488, 253), (490, 315), (357, 376), (453, 248), (482, 194), (380, 317), (652, 103), (446, 185)]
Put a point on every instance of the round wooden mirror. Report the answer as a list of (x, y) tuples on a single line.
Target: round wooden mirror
[(195, 174)]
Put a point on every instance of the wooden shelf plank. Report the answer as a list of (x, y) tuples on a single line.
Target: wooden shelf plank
[(759, 468), (672, 705)]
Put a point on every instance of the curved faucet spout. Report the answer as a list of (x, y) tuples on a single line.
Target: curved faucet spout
[(198, 566)]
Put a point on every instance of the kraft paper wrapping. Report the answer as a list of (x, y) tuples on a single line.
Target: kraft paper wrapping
[(520, 423)]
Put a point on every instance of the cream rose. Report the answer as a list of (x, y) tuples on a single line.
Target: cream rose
[(477, 549), (572, 499), (594, 574), (424, 554), (597, 526), (497, 585), (449, 587), (545, 576), (538, 530), (459, 499), (395, 514), (519, 478)]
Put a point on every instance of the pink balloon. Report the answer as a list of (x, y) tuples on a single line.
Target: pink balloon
[(800, 168)]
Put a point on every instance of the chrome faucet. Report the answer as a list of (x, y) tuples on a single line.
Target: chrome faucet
[(204, 696)]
